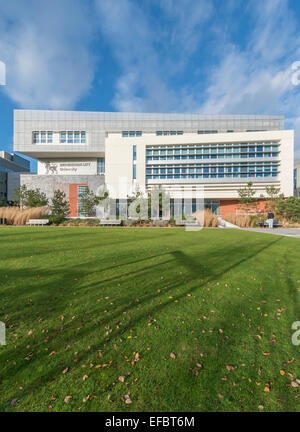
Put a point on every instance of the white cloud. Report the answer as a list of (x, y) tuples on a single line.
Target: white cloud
[(257, 79), (151, 50), (45, 48)]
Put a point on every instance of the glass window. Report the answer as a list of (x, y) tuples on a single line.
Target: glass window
[(134, 152), (49, 137), (125, 133), (63, 137), (100, 166), (134, 172), (36, 137), (43, 137)]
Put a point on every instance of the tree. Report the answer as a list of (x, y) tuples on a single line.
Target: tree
[(247, 196), (89, 201), (273, 195), (30, 197), (140, 208), (288, 208), (60, 206), (163, 202)]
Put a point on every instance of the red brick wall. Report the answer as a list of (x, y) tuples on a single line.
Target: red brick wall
[(73, 198), (230, 206)]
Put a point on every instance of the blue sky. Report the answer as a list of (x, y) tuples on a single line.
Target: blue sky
[(206, 56)]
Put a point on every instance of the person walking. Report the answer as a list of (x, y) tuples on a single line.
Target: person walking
[(270, 219)]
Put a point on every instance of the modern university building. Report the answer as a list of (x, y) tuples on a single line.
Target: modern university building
[(10, 163), (183, 153)]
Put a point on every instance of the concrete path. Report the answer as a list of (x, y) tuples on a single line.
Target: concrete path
[(287, 232)]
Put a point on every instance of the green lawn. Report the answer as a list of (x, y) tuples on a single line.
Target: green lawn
[(94, 313)]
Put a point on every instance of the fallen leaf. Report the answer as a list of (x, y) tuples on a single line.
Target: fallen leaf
[(172, 355), (85, 377), (127, 399), (229, 368), (121, 378), (282, 372), (67, 398), (65, 371)]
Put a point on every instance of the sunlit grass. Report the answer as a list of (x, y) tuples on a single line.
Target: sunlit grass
[(94, 313)]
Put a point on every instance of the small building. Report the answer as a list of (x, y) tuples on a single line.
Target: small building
[(10, 163)]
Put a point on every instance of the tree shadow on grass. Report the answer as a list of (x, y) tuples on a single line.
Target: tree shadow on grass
[(195, 269)]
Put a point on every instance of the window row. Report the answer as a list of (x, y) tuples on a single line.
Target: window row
[(70, 137), (131, 134), (211, 149), (172, 132), (73, 137), (43, 137), (198, 171)]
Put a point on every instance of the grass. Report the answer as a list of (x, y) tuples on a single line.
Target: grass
[(85, 306)]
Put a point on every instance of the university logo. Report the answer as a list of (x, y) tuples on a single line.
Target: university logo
[(2, 73), (2, 333)]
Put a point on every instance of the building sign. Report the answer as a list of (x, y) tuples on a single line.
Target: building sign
[(67, 167)]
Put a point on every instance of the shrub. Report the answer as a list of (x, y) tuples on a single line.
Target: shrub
[(206, 218), (289, 208), (60, 206), (55, 219), (241, 220), (17, 216), (30, 197)]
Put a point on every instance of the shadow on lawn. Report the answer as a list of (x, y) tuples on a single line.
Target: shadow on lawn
[(205, 266)]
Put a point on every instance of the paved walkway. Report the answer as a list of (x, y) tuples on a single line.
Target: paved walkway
[(287, 232)]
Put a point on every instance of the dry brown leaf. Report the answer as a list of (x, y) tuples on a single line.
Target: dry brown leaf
[(173, 356)]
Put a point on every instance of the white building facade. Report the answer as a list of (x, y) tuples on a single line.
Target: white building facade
[(186, 154)]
